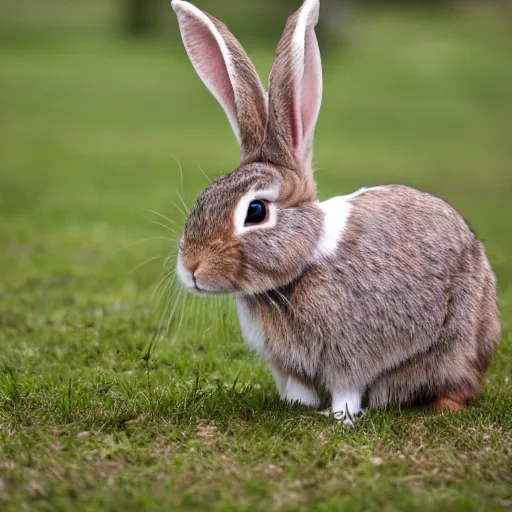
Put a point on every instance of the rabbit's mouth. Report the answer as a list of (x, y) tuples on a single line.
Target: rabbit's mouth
[(200, 289), (196, 285)]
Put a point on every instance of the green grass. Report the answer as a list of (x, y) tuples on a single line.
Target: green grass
[(90, 417)]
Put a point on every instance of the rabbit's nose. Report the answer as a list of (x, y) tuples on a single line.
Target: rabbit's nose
[(193, 267), (202, 276), (198, 272)]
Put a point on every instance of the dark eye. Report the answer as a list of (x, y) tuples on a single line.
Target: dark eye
[(256, 213)]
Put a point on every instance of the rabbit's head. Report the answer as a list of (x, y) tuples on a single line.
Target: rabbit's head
[(256, 228)]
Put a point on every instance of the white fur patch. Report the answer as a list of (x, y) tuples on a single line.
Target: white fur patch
[(346, 405), (184, 274), (336, 213), (362, 191), (300, 29), (270, 195), (251, 326), (280, 378), (296, 392)]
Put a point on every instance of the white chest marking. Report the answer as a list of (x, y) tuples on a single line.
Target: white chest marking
[(251, 326), (336, 213)]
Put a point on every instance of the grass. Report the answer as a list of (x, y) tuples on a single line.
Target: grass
[(95, 416)]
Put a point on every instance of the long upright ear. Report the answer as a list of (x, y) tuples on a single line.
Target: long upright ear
[(227, 71), (295, 93)]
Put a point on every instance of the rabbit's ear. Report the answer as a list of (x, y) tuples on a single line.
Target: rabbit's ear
[(227, 71), (295, 92)]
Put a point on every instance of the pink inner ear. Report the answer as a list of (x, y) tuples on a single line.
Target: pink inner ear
[(311, 83), (207, 58), (307, 93)]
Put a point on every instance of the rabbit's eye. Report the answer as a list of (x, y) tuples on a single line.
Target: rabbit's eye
[(256, 213)]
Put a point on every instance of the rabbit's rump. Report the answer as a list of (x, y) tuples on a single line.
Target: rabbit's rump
[(450, 372)]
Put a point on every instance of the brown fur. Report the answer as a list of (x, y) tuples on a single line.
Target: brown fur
[(241, 263), (454, 400), (405, 311), (251, 108)]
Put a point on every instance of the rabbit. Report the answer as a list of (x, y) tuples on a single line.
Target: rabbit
[(381, 298)]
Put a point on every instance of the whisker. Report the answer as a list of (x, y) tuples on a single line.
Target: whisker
[(177, 331), (286, 300), (204, 174), (198, 316), (168, 282), (182, 201), (162, 281), (133, 244), (167, 273), (204, 310), (181, 172), (154, 258), (167, 292), (294, 311), (178, 208), (171, 316), (165, 227), (165, 311), (273, 303), (164, 217)]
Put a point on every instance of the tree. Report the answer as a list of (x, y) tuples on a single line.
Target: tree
[(140, 16)]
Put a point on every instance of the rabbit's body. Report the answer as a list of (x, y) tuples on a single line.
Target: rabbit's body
[(404, 311), (380, 297)]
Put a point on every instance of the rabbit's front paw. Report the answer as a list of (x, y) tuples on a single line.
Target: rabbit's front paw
[(347, 419), (346, 406)]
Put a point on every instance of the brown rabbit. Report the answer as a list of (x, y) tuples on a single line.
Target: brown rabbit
[(382, 297)]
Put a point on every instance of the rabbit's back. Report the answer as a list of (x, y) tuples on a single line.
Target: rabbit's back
[(401, 224)]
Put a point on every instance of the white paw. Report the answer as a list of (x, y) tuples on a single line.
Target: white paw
[(296, 392), (346, 418), (280, 378), (346, 406)]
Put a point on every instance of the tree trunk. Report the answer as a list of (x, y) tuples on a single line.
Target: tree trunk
[(140, 16)]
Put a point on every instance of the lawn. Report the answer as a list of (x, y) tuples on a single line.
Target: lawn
[(117, 391)]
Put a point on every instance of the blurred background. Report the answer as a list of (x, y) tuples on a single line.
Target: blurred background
[(99, 109)]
